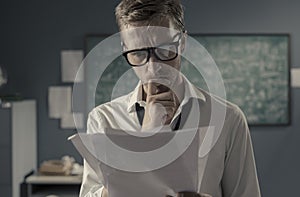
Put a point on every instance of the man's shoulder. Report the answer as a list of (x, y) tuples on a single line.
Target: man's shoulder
[(224, 114), (218, 101)]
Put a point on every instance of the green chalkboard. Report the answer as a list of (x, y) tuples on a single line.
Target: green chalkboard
[(254, 67)]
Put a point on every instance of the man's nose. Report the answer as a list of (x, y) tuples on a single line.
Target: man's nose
[(154, 65)]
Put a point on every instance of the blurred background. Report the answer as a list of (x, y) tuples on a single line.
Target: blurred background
[(34, 33)]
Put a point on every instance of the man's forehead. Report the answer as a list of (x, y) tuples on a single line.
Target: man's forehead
[(147, 36)]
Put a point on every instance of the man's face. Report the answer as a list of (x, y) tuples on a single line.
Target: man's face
[(158, 68)]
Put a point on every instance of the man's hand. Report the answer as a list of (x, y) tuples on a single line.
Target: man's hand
[(180, 194), (161, 106), (191, 194), (104, 192)]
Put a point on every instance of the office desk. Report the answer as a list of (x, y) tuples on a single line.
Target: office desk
[(62, 186)]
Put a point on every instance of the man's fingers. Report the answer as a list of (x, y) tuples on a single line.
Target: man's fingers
[(165, 96), (152, 89), (192, 194), (164, 113), (163, 103), (156, 88)]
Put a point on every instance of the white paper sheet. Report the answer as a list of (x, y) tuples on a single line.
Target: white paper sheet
[(70, 63), (295, 75), (67, 121), (59, 101), (179, 175)]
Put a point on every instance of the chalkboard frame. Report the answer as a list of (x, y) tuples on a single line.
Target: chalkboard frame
[(287, 35)]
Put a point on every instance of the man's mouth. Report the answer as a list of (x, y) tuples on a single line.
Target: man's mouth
[(165, 81)]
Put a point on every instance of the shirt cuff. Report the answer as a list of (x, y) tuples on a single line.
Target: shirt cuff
[(95, 192)]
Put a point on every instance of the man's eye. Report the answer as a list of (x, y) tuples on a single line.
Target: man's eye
[(136, 57), (137, 54), (166, 51)]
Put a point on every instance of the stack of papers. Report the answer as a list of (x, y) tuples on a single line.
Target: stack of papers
[(137, 176)]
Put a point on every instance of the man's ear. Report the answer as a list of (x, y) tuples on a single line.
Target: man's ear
[(183, 42), (124, 48)]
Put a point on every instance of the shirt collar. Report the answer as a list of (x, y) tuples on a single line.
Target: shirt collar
[(190, 91), (136, 97)]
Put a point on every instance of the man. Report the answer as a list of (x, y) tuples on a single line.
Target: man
[(162, 98)]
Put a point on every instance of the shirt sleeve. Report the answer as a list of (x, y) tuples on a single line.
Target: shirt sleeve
[(91, 185), (240, 176)]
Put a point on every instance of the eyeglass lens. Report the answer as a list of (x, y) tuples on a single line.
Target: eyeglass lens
[(163, 53)]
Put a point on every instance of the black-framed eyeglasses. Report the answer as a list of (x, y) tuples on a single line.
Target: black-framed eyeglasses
[(163, 52)]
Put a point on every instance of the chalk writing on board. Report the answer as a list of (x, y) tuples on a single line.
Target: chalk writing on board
[(255, 71)]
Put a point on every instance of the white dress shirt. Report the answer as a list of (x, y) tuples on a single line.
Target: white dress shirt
[(228, 170)]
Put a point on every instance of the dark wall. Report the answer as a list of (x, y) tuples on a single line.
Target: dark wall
[(32, 34)]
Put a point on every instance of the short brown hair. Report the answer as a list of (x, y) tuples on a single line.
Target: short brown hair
[(129, 12)]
